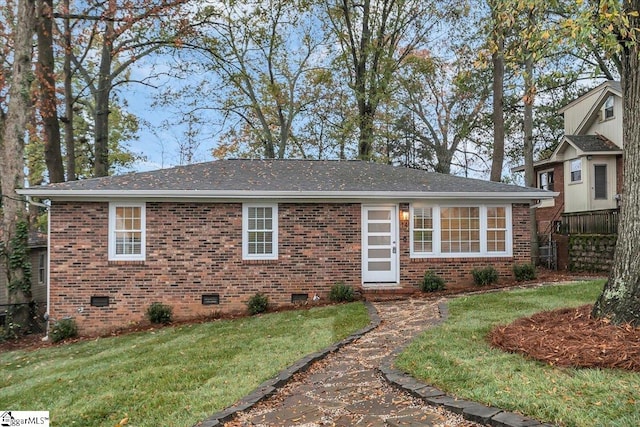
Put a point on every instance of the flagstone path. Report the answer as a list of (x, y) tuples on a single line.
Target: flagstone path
[(347, 388)]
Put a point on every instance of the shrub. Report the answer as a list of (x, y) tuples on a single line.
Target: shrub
[(160, 313), (484, 276), (258, 304), (342, 293), (524, 272), (431, 282), (63, 329)]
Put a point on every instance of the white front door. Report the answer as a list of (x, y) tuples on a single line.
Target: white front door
[(379, 245)]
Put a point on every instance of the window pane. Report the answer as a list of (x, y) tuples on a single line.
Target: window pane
[(460, 229), (379, 266), (379, 240), (379, 253), (383, 227), (379, 215)]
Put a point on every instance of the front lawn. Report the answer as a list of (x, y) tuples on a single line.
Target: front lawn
[(174, 376), (456, 358)]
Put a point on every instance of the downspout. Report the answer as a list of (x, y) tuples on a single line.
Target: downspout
[(46, 315)]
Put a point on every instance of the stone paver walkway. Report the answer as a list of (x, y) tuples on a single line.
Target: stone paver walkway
[(347, 389)]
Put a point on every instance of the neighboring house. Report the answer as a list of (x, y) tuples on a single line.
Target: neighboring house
[(586, 167), (204, 238), (38, 258)]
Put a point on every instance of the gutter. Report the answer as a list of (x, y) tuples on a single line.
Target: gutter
[(290, 195)]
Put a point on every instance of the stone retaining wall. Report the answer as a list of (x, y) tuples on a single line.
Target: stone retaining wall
[(591, 252)]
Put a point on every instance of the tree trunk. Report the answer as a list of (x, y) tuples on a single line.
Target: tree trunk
[(69, 141), (529, 178), (15, 125), (48, 104), (497, 115), (103, 94), (620, 298), (365, 139)]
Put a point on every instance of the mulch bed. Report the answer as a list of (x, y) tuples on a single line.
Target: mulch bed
[(570, 337)]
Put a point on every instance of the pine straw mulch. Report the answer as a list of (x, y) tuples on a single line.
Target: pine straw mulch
[(570, 337)]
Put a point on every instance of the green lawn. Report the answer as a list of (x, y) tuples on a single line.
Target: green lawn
[(174, 376), (457, 358)]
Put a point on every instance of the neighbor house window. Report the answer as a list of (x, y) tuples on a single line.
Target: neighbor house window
[(600, 181), (607, 109), (127, 231), (260, 231), (460, 231), (576, 170), (545, 180), (42, 267)]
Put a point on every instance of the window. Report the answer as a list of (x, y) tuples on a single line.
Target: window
[(576, 170), (600, 182), (460, 231), (127, 231), (496, 229), (260, 231), (607, 109), (545, 180), (42, 267), (422, 230)]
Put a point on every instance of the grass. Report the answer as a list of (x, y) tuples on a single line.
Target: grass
[(174, 376), (456, 358)]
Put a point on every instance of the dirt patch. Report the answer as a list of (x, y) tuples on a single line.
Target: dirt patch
[(570, 337)]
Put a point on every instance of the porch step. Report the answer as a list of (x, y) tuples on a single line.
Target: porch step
[(390, 293)]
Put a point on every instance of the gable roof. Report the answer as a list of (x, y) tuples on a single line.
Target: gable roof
[(293, 179), (592, 143), (598, 97)]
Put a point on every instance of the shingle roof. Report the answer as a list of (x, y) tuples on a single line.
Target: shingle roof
[(593, 143), (284, 176)]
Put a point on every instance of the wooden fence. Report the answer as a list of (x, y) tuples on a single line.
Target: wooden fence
[(594, 222)]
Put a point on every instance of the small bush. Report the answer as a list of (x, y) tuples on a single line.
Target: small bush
[(485, 276), (524, 272), (63, 329), (342, 293), (160, 313), (431, 282), (258, 304)]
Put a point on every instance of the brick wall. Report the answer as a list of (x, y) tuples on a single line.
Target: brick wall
[(458, 270), (196, 248)]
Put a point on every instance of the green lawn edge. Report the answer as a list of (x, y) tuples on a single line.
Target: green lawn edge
[(456, 357), (174, 376)]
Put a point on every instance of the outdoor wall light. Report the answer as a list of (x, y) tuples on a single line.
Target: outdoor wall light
[(404, 220)]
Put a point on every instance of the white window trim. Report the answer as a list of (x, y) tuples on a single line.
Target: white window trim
[(544, 172), (571, 181), (112, 235), (484, 253), (245, 230)]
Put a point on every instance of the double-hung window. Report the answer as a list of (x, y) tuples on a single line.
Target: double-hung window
[(576, 170), (127, 229), (460, 231), (260, 231)]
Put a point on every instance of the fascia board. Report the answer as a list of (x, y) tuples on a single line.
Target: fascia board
[(288, 195)]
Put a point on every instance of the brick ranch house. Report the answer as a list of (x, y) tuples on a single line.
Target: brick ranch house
[(204, 238)]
